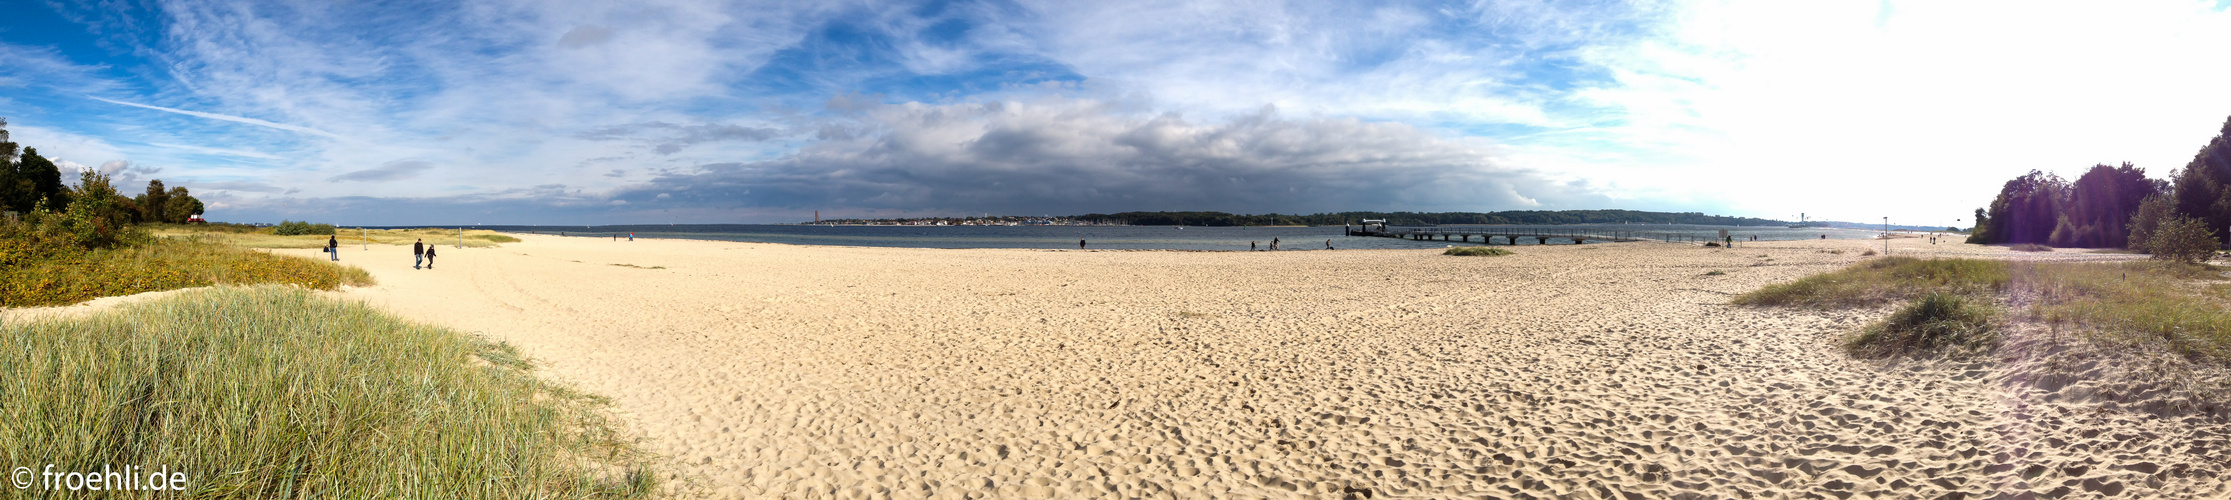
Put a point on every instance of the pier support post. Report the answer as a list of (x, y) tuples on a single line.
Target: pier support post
[(1541, 240)]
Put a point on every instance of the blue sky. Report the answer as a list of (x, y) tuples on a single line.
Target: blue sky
[(574, 112)]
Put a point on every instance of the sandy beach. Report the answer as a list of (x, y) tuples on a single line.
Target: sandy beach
[(1594, 371)]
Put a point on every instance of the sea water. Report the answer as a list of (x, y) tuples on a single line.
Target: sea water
[(1144, 237)]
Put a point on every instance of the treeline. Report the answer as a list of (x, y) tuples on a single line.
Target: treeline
[(30, 181), (2117, 207), (47, 217), (1423, 218)]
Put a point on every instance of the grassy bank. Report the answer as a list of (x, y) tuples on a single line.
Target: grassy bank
[(263, 237), (271, 392), (1962, 303), (160, 264)]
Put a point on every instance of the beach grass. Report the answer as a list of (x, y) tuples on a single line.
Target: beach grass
[(1882, 281), (1476, 251), (263, 237), (1936, 320), (2030, 247), (272, 392), (2181, 305), (160, 264), (2186, 307)]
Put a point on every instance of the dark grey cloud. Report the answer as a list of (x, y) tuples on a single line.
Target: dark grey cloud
[(667, 138), (1078, 156), (390, 171)]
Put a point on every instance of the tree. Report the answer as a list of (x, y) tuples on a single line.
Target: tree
[(2199, 187), (2026, 210), (1980, 234), (2100, 204), (152, 204), (2148, 219), (45, 178), (2183, 239), (180, 206)]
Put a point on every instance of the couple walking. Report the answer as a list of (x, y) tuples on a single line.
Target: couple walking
[(422, 253)]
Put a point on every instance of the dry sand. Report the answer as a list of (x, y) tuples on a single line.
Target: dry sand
[(1596, 371)]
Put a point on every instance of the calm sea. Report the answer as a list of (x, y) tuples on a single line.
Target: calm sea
[(1120, 237)]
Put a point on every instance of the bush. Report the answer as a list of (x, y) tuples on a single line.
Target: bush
[(1477, 251), (292, 228), (2182, 239), (1937, 320), (2030, 247)]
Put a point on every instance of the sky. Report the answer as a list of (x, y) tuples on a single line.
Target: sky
[(701, 111)]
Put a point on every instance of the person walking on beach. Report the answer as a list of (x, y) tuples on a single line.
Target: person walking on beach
[(1274, 244), (1328, 244), (333, 246), (631, 236), (418, 253), (430, 256), (1250, 246)]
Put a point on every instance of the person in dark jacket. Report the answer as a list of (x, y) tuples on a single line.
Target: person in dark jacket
[(430, 256), (333, 247), (418, 253)]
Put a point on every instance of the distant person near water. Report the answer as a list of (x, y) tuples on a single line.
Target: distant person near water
[(430, 256), (1328, 244), (631, 236), (418, 253), (1250, 246), (333, 246), (1274, 244), (1080, 244)]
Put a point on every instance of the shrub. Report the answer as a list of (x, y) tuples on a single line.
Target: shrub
[(2030, 247), (292, 228), (2182, 239), (1937, 320), (1477, 251), (272, 392)]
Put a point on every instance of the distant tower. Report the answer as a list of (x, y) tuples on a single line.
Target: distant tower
[(817, 216)]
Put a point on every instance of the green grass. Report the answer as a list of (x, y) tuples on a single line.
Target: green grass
[(271, 392), (1882, 281), (162, 264), (1476, 251), (2186, 307), (1937, 320), (2137, 302)]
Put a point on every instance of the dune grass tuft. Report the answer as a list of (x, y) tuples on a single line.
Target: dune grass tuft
[(1937, 320), (1476, 251), (272, 392), (162, 264), (1882, 281), (2030, 247)]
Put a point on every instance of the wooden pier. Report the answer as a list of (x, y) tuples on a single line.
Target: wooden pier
[(1541, 236)]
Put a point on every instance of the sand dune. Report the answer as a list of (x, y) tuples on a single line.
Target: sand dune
[(1597, 371)]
